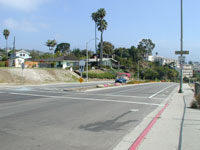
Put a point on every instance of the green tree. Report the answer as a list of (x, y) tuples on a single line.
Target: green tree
[(51, 44), (77, 52), (122, 55), (146, 47), (35, 54), (98, 17), (135, 54), (122, 52), (190, 62), (47, 55), (108, 48), (173, 74), (150, 74), (64, 48)]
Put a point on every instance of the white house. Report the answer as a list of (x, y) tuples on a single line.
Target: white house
[(16, 62), (18, 57), (20, 54), (162, 60)]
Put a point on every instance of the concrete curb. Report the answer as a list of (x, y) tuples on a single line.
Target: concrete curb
[(113, 87), (129, 139), (166, 133)]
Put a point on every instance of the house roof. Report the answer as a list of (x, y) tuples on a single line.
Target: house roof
[(70, 58), (17, 51)]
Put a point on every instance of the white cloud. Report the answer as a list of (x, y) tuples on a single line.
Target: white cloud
[(25, 5), (23, 25)]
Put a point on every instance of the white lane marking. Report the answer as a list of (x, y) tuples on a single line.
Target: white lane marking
[(130, 89), (96, 94), (86, 99), (160, 91), (134, 110)]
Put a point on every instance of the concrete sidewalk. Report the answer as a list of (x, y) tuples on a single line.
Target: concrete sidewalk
[(178, 128)]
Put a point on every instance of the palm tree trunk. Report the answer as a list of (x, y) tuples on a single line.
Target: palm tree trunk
[(96, 42), (101, 49)]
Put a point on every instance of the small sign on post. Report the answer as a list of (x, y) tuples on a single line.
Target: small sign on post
[(22, 65), (181, 59), (80, 79), (81, 69)]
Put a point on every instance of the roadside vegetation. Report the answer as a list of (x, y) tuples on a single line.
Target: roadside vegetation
[(195, 102)]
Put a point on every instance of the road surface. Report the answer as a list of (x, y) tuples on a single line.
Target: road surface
[(45, 117)]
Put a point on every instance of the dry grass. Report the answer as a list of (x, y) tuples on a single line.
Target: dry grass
[(36, 76)]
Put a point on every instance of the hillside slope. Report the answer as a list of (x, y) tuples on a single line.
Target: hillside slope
[(36, 76)]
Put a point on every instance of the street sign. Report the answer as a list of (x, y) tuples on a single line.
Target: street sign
[(81, 69), (80, 79), (82, 63), (81, 66), (181, 59), (181, 52)]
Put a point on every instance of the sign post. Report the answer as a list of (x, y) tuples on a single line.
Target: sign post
[(22, 65), (181, 52), (81, 69), (181, 60)]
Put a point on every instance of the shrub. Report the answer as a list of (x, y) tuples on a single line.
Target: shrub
[(198, 99), (2, 64), (194, 104), (105, 75), (186, 79), (136, 82)]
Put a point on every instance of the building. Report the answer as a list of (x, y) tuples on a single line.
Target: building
[(20, 54), (162, 60), (196, 66), (187, 70), (18, 58), (59, 62)]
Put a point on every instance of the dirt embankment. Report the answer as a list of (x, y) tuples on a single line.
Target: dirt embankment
[(36, 76)]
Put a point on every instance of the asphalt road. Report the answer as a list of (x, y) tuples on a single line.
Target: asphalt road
[(41, 117)]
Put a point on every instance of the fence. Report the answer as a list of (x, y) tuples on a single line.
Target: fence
[(197, 88)]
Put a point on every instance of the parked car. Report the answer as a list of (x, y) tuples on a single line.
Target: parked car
[(120, 80)]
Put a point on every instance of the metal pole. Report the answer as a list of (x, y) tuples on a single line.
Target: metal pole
[(138, 71), (87, 62), (181, 67), (22, 76), (14, 44)]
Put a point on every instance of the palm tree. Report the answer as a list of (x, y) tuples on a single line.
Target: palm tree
[(95, 18), (6, 33), (98, 17), (51, 44), (156, 53)]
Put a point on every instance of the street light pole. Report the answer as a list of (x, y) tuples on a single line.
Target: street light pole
[(87, 62), (87, 57), (138, 71), (181, 65)]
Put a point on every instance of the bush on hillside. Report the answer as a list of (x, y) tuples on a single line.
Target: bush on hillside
[(2, 64), (105, 75)]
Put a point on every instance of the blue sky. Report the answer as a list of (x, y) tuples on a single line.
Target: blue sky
[(33, 22)]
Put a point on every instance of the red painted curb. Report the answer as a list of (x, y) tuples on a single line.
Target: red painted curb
[(147, 129)]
